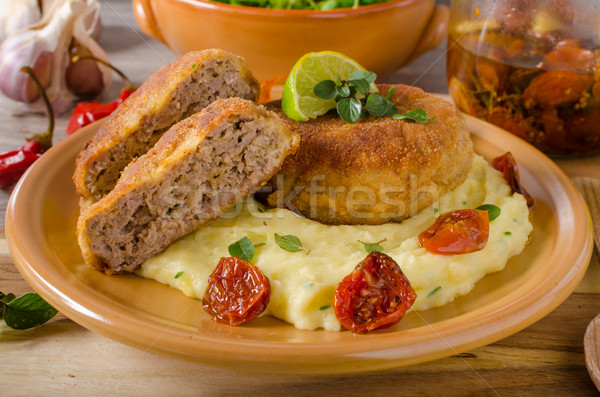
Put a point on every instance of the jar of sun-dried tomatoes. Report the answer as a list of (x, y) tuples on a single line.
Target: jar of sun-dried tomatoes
[(531, 67)]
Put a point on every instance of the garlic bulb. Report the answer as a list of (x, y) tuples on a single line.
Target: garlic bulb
[(17, 15), (44, 47)]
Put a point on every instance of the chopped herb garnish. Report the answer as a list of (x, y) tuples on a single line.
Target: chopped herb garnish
[(27, 311), (507, 233), (243, 249), (307, 286), (324, 307), (290, 243), (194, 66), (418, 115), (179, 274), (492, 210), (436, 210), (433, 291), (370, 247), (352, 97)]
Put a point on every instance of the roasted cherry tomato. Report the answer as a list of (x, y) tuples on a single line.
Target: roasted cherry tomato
[(457, 232), (507, 165), (374, 296), (237, 292)]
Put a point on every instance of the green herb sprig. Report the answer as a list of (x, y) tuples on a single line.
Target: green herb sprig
[(290, 243), (354, 99), (26, 311), (370, 247), (492, 210), (243, 249)]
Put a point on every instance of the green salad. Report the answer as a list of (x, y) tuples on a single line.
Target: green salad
[(322, 5)]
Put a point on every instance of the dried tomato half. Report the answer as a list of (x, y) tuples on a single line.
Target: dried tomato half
[(374, 296), (507, 165), (457, 232), (237, 292)]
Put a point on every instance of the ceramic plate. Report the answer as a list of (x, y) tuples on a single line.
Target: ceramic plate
[(40, 227)]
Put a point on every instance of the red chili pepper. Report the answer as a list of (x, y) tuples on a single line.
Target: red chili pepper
[(87, 112), (13, 164)]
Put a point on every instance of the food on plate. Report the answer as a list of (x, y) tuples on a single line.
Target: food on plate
[(199, 168), (237, 292), (457, 232), (377, 169), (303, 285), (401, 183), (171, 94), (374, 296)]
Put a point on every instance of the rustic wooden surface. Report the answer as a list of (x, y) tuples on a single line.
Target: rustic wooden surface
[(63, 358)]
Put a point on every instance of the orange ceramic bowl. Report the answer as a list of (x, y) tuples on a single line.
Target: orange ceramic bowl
[(381, 37)]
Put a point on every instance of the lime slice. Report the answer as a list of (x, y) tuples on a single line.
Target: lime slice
[(298, 100)]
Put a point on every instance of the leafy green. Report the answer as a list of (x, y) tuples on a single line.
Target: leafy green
[(301, 4), (27, 311), (492, 210), (290, 243), (370, 247), (179, 274), (243, 249), (349, 109), (418, 115)]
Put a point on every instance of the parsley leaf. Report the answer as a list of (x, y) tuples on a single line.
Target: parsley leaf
[(243, 249)]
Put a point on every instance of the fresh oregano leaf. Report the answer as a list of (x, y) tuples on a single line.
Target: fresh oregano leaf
[(343, 90), (326, 89), (390, 93), (378, 106), (361, 86), (349, 109), (492, 210), (370, 247), (418, 115), (243, 249), (28, 311), (369, 77), (289, 243)]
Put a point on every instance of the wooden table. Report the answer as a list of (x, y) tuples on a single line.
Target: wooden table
[(63, 358)]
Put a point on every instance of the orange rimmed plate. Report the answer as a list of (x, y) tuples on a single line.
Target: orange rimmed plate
[(40, 228)]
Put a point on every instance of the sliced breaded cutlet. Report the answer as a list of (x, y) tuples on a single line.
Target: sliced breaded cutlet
[(172, 93), (197, 170)]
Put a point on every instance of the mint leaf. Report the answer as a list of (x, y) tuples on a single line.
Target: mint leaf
[(289, 243), (349, 109), (243, 249), (343, 90), (378, 106), (492, 210), (418, 115), (370, 247), (326, 89), (28, 311)]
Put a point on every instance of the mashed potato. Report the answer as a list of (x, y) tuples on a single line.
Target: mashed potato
[(303, 285)]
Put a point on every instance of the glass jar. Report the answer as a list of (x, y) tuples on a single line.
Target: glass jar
[(531, 67)]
